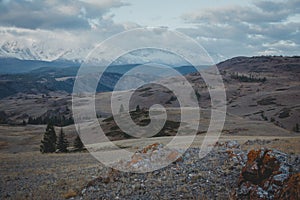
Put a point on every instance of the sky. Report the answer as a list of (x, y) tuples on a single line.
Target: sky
[(226, 28)]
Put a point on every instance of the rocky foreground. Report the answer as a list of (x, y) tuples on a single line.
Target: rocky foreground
[(227, 172)]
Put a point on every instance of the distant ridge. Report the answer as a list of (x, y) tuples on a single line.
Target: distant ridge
[(17, 66), (258, 64)]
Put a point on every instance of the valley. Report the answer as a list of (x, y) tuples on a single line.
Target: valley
[(263, 110)]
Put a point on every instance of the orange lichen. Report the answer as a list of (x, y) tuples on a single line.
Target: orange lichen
[(253, 155), (150, 147)]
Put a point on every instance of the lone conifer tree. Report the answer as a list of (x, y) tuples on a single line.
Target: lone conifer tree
[(62, 144), (49, 141), (78, 145)]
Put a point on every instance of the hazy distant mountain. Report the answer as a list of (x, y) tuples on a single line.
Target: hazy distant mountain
[(15, 65), (27, 76), (42, 52), (46, 80)]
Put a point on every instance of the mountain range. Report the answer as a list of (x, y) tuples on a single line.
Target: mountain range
[(42, 52), (33, 76)]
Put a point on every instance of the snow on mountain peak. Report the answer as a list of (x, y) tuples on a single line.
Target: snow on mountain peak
[(29, 51), (34, 50)]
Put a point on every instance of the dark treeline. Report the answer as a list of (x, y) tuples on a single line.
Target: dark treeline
[(52, 143), (56, 120), (247, 78)]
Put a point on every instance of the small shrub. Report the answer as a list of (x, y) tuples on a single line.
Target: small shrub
[(78, 145)]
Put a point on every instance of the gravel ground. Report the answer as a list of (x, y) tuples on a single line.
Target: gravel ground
[(213, 177), (80, 176)]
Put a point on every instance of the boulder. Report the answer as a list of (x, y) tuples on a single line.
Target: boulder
[(150, 157), (260, 166), (266, 175)]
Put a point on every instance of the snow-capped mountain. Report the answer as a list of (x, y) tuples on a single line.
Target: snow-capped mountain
[(151, 56), (40, 51), (34, 51), (43, 52)]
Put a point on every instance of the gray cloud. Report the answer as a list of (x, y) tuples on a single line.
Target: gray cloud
[(58, 27), (265, 27), (248, 30), (293, 6), (55, 14), (259, 12)]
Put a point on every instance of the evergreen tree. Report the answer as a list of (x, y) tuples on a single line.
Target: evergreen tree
[(30, 120), (137, 109), (78, 145), (296, 128), (49, 141), (62, 144)]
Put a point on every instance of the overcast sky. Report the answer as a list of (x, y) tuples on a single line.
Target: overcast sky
[(226, 27)]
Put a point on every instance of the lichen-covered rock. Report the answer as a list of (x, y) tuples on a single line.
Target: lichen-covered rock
[(264, 176), (215, 176), (150, 157), (260, 166), (232, 144)]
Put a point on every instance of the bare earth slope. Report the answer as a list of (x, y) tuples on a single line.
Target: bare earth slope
[(275, 100)]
